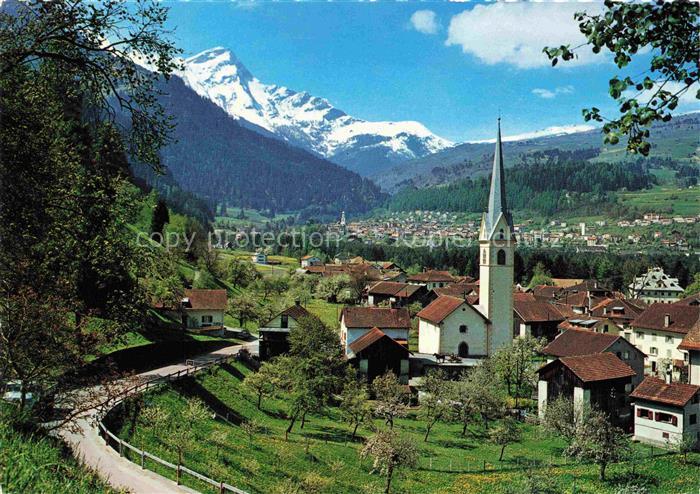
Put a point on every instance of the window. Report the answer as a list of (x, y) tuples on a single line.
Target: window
[(666, 418), (664, 435), (669, 339), (501, 234), (285, 321), (605, 328), (626, 355), (463, 328), (501, 257), (483, 256), (207, 320), (640, 336), (645, 413), (463, 350), (693, 419), (653, 350)]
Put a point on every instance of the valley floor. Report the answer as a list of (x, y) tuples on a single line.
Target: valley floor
[(322, 457)]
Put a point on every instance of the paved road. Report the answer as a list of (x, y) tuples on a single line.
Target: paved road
[(122, 474)]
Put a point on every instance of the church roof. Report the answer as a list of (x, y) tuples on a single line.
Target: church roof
[(497, 194)]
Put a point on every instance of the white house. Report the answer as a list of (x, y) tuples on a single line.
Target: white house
[(660, 329), (452, 326), (656, 286), (665, 412), (432, 279), (204, 308), (274, 334), (356, 321)]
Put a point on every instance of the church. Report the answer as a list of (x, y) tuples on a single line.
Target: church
[(454, 326)]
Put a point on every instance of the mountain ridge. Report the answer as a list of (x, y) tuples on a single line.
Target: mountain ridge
[(305, 120)]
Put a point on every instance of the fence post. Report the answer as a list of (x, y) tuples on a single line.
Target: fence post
[(221, 487), (177, 474), (121, 448), (484, 465), (143, 459)]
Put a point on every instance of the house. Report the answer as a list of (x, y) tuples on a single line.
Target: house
[(452, 326), (660, 329), (593, 324), (398, 294), (619, 310), (357, 321), (459, 290), (432, 279), (274, 334), (307, 261), (259, 258), (665, 412), (535, 318), (691, 344), (690, 300), (656, 286), (204, 309), (576, 342), (374, 353), (598, 379), (546, 292)]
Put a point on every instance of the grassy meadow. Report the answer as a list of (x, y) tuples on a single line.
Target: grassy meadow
[(322, 458)]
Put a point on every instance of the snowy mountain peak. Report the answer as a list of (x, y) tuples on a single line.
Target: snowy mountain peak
[(303, 119)]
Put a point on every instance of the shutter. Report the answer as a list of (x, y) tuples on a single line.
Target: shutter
[(639, 412), (674, 420), (657, 416)]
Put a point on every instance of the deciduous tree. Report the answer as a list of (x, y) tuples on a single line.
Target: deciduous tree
[(389, 451), (391, 398)]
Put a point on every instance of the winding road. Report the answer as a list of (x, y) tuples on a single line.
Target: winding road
[(122, 474)]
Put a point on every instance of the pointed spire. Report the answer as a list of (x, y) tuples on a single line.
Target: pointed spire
[(497, 194)]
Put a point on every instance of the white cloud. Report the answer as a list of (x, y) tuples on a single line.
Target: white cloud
[(425, 21), (515, 33), (553, 93), (686, 101), (549, 131)]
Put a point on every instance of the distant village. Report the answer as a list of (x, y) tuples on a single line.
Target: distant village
[(601, 235)]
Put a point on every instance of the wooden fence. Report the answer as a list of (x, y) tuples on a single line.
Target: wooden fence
[(120, 445)]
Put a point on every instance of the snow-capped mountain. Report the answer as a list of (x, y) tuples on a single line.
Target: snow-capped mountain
[(305, 120)]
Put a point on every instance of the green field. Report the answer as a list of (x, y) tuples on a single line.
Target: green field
[(252, 218), (322, 458), (670, 200), (35, 463)]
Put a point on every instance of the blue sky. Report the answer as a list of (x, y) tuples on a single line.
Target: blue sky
[(451, 66)]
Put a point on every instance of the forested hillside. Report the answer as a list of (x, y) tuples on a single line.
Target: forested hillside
[(223, 162), (546, 185)]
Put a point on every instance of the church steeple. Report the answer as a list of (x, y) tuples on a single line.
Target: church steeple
[(497, 194)]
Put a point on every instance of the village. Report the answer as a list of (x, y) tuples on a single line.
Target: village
[(432, 228)]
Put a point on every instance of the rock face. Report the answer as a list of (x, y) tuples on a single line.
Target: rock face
[(305, 120)]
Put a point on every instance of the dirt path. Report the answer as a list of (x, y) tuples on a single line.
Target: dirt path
[(89, 447)]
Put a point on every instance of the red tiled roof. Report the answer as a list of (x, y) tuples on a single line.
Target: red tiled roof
[(296, 312), (655, 389), (370, 338), (689, 300), (595, 367), (440, 308), (683, 317), (523, 297), (536, 311), (393, 288), (200, 299), (628, 310), (573, 342), (381, 317), (457, 289), (691, 341), (545, 291), (432, 276)]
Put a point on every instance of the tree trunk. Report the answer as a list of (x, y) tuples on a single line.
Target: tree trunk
[(427, 431), (464, 429), (303, 420), (354, 431), (602, 471), (389, 473), (259, 400), (503, 448), (289, 429)]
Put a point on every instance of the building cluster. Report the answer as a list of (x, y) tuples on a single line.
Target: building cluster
[(597, 236), (637, 357)]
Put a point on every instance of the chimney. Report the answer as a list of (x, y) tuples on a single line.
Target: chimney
[(667, 320)]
